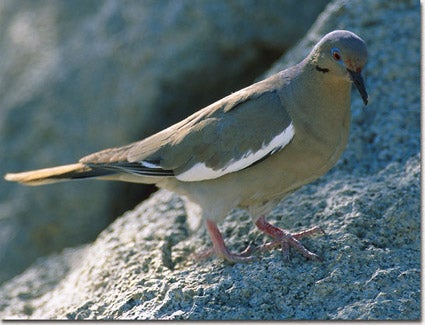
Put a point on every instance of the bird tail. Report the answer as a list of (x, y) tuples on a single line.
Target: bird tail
[(56, 174)]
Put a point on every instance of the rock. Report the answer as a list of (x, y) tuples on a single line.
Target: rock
[(79, 76), (141, 266)]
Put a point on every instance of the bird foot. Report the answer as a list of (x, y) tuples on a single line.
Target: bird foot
[(282, 238), (232, 258), (285, 239), (220, 249)]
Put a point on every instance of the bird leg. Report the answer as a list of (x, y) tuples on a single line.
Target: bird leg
[(220, 249), (282, 238), (285, 239)]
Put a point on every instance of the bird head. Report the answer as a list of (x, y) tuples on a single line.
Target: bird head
[(343, 55)]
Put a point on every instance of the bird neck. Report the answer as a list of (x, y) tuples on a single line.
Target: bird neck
[(321, 103), (315, 88)]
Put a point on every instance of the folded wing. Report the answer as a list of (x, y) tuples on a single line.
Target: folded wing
[(231, 134)]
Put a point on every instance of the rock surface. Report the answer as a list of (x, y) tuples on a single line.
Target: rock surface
[(80, 76), (140, 267)]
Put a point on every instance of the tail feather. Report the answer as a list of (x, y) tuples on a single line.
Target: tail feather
[(56, 174)]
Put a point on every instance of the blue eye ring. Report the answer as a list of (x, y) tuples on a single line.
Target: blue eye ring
[(336, 54)]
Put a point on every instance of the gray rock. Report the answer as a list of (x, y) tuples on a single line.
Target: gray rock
[(80, 76), (141, 266)]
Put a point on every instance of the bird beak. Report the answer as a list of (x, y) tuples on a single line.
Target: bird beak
[(357, 79)]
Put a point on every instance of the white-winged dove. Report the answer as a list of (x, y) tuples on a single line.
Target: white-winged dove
[(249, 149)]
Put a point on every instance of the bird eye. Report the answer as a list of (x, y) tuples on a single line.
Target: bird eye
[(336, 54)]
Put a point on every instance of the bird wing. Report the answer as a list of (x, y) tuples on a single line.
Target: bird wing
[(229, 135)]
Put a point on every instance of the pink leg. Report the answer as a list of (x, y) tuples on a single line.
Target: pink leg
[(220, 248), (285, 239)]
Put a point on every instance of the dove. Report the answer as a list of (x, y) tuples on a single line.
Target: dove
[(248, 150)]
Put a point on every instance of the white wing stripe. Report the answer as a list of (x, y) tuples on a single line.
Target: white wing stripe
[(200, 171), (149, 165)]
